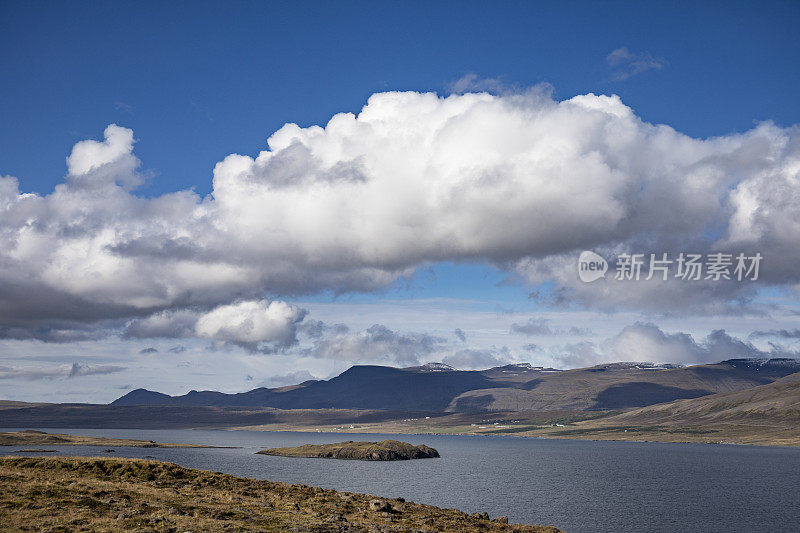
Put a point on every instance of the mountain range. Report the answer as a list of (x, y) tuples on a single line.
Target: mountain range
[(439, 388)]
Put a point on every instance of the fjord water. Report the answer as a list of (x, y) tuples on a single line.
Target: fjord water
[(578, 486)]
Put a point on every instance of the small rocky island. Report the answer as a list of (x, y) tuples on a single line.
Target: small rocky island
[(386, 450)]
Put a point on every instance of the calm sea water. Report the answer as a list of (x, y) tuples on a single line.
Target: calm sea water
[(578, 486)]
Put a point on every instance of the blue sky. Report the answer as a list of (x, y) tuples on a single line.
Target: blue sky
[(190, 83), (199, 80)]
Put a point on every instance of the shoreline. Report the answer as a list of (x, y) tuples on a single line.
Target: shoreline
[(32, 437), (537, 425), (612, 435)]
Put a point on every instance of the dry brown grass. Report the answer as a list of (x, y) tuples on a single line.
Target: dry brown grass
[(100, 494)]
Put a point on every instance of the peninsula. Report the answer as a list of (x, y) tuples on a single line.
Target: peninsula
[(100, 494), (30, 437)]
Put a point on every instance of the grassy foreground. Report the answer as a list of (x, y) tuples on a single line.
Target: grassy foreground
[(100, 494), (31, 437)]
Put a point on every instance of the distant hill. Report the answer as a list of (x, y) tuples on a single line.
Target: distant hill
[(439, 388), (67, 415), (776, 401), (10, 404), (767, 414)]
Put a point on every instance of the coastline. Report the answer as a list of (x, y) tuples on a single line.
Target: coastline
[(30, 437), (737, 434)]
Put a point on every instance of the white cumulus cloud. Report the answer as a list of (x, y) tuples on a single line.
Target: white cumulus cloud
[(246, 323), (251, 323), (518, 180), (646, 342)]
